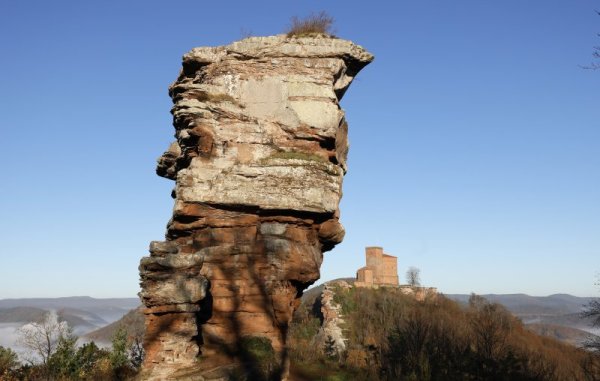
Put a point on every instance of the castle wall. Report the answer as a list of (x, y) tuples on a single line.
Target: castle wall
[(367, 275), (390, 270), (364, 277)]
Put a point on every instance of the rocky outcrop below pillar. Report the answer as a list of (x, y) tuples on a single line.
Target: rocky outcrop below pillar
[(259, 157), (330, 337)]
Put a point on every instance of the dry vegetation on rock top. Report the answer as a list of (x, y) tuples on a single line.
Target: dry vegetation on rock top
[(316, 24)]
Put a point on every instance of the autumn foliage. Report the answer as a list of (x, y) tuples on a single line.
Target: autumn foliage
[(393, 337)]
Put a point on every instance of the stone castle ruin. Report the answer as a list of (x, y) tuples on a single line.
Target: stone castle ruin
[(381, 269), (258, 162)]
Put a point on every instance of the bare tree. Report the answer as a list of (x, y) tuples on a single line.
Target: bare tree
[(41, 338), (413, 277), (490, 323)]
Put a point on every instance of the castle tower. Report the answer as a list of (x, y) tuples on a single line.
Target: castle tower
[(374, 259), (381, 269)]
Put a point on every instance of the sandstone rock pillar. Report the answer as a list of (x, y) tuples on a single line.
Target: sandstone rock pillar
[(258, 161)]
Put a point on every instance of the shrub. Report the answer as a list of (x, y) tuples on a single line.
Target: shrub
[(118, 356), (62, 363), (89, 359), (8, 360), (260, 358), (314, 24)]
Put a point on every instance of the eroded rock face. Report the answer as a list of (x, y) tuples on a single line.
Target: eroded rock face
[(258, 163), (330, 337)]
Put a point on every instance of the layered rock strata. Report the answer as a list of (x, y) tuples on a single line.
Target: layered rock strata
[(259, 157)]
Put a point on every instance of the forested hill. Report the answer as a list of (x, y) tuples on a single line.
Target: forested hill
[(391, 336)]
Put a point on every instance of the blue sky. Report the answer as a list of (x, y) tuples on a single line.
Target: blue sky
[(475, 138)]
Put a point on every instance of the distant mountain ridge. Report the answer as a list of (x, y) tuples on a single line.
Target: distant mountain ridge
[(83, 313), (21, 314), (557, 315), (523, 304), (95, 311)]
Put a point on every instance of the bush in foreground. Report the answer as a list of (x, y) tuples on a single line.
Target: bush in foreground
[(68, 361)]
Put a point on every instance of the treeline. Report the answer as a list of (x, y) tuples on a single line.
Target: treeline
[(53, 355), (392, 336)]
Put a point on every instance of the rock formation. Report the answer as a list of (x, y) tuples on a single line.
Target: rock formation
[(259, 157), (330, 337)]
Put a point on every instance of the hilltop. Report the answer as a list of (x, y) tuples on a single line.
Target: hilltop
[(103, 310), (132, 321), (386, 335)]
